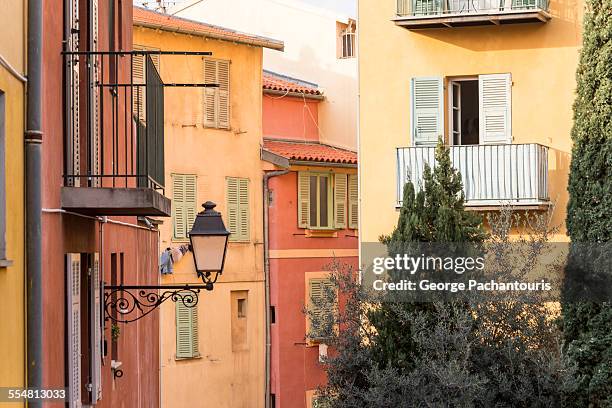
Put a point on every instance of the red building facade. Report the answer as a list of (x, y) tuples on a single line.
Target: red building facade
[(313, 220), (99, 187)]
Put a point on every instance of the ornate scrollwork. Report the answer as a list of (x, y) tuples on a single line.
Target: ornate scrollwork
[(122, 305)]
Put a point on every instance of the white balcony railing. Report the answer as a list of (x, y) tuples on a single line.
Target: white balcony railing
[(492, 175), (407, 8)]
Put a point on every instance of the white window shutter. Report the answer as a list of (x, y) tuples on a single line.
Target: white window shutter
[(340, 190), (494, 97), (427, 110), (95, 367), (73, 318)]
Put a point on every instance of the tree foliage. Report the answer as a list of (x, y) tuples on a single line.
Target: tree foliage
[(499, 351), (586, 325)]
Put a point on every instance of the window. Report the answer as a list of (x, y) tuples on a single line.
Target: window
[(3, 261), (216, 101), (183, 204), (346, 39), (237, 194), (322, 200), (479, 110), (242, 308), (239, 322), (320, 316), (187, 342)]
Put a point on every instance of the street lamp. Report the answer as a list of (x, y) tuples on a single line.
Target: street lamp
[(208, 238)]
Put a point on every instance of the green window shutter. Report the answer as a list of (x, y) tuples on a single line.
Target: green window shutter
[(427, 110), (183, 203), (243, 209), (317, 290), (237, 194), (353, 197), (340, 201), (187, 343), (303, 200)]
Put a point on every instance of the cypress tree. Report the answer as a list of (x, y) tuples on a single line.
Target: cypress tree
[(434, 214), (586, 325)]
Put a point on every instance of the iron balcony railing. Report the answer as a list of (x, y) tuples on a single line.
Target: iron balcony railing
[(113, 120), (513, 174), (407, 8)]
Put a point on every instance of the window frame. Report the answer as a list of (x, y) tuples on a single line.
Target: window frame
[(330, 201)]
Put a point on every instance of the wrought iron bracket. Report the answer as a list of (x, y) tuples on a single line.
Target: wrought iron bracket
[(128, 303)]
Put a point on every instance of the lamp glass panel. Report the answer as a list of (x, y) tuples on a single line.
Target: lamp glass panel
[(208, 252)]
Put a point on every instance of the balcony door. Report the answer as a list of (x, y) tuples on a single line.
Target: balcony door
[(464, 109)]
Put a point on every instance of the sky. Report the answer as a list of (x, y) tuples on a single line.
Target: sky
[(342, 6)]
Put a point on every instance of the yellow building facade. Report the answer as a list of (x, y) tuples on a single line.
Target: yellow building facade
[(495, 80), (12, 252), (213, 355)]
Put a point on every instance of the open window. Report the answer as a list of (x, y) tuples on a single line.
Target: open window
[(479, 109)]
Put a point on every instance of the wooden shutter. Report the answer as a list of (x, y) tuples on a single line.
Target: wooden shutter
[(187, 343), (494, 96), (317, 289), (139, 95), (303, 200), (184, 195), (340, 201), (353, 197), (95, 340), (223, 76), (210, 94), (217, 100), (73, 318), (427, 110), (237, 193)]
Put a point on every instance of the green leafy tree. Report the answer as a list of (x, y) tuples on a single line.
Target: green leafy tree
[(587, 324), (482, 352)]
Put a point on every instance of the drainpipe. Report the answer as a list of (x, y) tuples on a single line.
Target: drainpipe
[(266, 191), (33, 156)]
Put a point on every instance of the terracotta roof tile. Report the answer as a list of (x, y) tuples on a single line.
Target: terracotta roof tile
[(310, 151), (152, 19), (278, 82)]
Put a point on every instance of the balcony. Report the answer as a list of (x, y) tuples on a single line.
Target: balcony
[(113, 134), (421, 14), (492, 175)]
